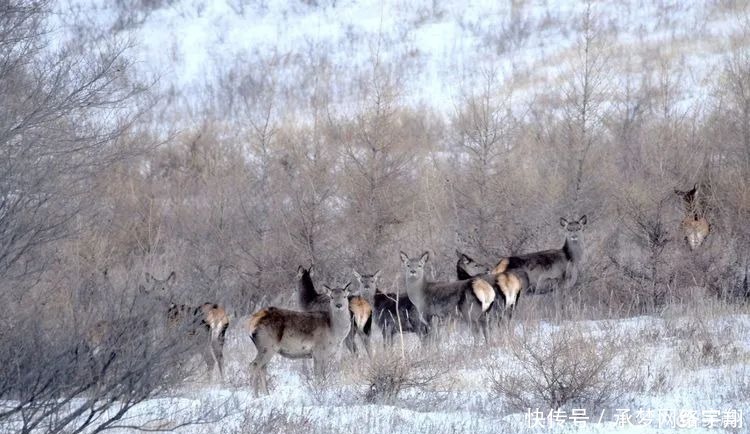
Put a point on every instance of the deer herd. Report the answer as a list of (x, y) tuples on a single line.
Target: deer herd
[(335, 317)]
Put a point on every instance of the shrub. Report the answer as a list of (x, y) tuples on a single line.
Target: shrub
[(388, 373), (566, 369)]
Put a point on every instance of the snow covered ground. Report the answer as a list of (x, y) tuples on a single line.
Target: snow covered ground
[(690, 365)]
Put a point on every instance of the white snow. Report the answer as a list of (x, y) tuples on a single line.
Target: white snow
[(444, 46)]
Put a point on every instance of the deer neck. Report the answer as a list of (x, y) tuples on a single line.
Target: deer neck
[(340, 322), (573, 249), (307, 292), (415, 290), (369, 296)]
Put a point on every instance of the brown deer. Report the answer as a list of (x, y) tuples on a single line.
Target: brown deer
[(508, 285), (295, 335), (436, 300), (695, 225), (361, 309), (208, 320), (549, 269)]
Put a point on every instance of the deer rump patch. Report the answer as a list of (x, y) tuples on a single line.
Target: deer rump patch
[(484, 293), (254, 321), (215, 316), (510, 285), (361, 311)]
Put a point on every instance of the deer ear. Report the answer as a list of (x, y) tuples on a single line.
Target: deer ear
[(327, 290), (582, 220), (357, 275), (563, 222), (404, 257), (171, 278), (376, 276), (424, 258)]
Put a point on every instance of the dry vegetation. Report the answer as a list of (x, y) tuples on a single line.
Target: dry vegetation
[(568, 369), (267, 170)]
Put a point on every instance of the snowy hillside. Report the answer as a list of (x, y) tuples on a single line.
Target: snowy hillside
[(447, 47)]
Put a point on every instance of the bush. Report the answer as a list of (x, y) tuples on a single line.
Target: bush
[(564, 370), (388, 374)]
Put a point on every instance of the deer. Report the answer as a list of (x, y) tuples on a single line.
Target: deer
[(393, 313), (295, 335), (544, 271), (208, 319), (508, 285), (361, 309), (467, 267), (695, 225), (435, 300)]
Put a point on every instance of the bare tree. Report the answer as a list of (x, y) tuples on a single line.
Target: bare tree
[(379, 144), (483, 138), (584, 96), (62, 122)]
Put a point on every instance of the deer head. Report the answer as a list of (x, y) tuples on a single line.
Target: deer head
[(157, 286), (574, 227), (339, 297), (470, 266), (368, 283), (414, 267)]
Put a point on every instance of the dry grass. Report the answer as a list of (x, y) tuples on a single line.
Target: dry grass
[(387, 374), (275, 421), (567, 368)]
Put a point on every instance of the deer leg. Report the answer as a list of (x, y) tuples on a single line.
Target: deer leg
[(318, 366), (476, 318), (217, 351), (219, 345), (387, 332), (208, 358), (433, 330), (264, 355), (509, 312), (485, 319), (349, 340), (366, 336)]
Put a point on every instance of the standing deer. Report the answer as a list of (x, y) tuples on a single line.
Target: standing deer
[(508, 285), (695, 225), (308, 298), (393, 313), (207, 321), (297, 335), (435, 300), (360, 308), (549, 269)]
